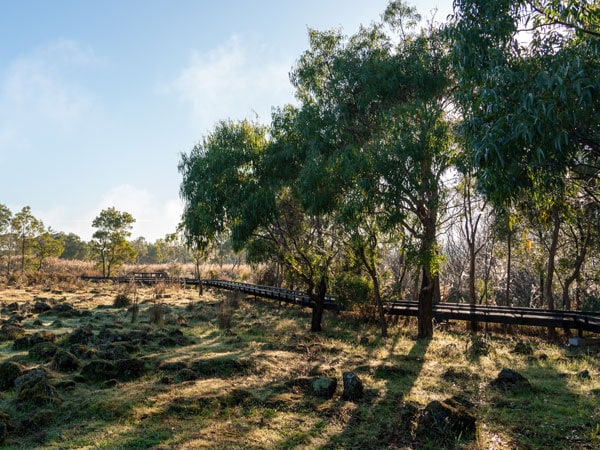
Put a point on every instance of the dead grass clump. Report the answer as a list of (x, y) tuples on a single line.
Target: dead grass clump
[(122, 301), (157, 313)]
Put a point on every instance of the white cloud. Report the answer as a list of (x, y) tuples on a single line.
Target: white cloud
[(37, 88), (154, 217), (234, 80)]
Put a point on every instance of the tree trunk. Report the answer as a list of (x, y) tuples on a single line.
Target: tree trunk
[(378, 301), (319, 306), (550, 269), (426, 305), (508, 263), (577, 267), (472, 294)]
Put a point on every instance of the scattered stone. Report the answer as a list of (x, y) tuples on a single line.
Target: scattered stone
[(479, 347), (42, 336), (64, 361), (109, 383), (57, 324), (455, 374), (98, 370), (83, 351), (510, 380), (43, 351), (584, 375), (64, 310), (114, 352), (9, 331), (172, 366), (221, 367), (37, 323), (449, 419), (81, 335), (391, 371), (129, 369), (9, 372), (40, 307), (324, 387), (38, 418), (34, 386), (14, 306), (21, 343), (185, 375), (353, 387), (6, 425), (523, 348)]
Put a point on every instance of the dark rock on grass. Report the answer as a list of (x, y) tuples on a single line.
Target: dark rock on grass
[(22, 343), (510, 380), (448, 420), (386, 371), (83, 351), (64, 361), (6, 425), (33, 386), (185, 375), (57, 324), (221, 367), (14, 306), (353, 387), (81, 335), (523, 348), (64, 310), (38, 418), (9, 372), (455, 374), (479, 347), (40, 307), (102, 370), (99, 370), (172, 366), (129, 369), (324, 387), (42, 336), (44, 351), (9, 331), (114, 351), (584, 375)]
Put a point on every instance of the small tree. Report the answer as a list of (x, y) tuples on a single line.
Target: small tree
[(25, 228), (109, 243), (46, 246), (5, 219)]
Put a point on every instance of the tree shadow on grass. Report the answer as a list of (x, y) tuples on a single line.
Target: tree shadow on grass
[(558, 409), (384, 420)]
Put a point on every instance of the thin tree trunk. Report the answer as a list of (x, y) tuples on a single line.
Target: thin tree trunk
[(577, 267), (508, 266), (550, 269)]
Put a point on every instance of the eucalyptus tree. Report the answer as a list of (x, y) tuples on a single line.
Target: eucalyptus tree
[(373, 110), (529, 85), (25, 227), (45, 246), (240, 180), (109, 242), (5, 219)]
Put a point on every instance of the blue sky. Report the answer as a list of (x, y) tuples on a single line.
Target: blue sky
[(98, 99)]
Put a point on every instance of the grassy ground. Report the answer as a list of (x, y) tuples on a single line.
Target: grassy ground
[(238, 380)]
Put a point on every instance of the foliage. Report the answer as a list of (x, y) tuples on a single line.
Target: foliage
[(109, 244)]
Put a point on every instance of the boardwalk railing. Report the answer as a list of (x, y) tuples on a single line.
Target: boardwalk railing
[(573, 320)]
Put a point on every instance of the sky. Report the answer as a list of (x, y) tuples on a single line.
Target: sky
[(99, 99)]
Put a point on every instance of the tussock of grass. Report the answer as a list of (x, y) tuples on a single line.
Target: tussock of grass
[(249, 388)]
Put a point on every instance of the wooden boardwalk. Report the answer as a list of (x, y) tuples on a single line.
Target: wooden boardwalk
[(568, 320)]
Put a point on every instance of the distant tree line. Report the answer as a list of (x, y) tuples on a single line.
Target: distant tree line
[(457, 162), (26, 244)]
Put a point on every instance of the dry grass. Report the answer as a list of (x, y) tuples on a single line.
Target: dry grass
[(246, 393)]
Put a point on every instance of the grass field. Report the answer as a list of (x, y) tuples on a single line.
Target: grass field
[(227, 372)]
